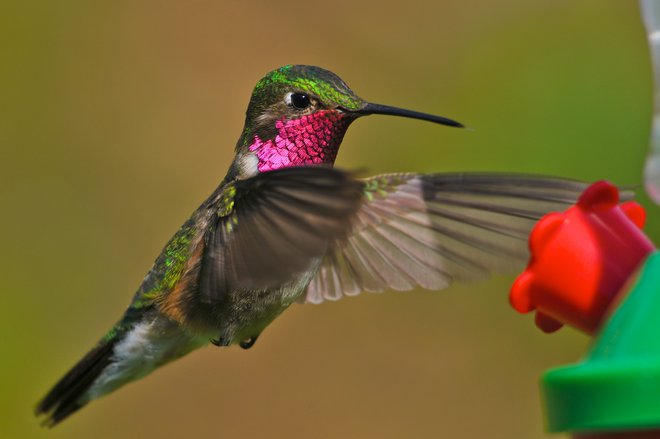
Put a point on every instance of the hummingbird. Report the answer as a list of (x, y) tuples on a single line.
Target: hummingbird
[(285, 226)]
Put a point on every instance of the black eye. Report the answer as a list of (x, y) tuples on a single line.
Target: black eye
[(300, 101)]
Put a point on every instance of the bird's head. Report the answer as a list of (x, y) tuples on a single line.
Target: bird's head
[(298, 115)]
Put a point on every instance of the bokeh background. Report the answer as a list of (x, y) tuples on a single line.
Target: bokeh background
[(118, 118)]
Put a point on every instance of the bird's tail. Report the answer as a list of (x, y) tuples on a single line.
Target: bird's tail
[(70, 392), (131, 350)]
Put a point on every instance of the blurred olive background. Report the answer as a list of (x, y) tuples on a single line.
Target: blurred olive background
[(119, 118)]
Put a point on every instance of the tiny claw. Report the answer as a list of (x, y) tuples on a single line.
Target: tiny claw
[(220, 341), (247, 344)]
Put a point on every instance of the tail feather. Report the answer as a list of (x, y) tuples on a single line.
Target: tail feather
[(68, 395)]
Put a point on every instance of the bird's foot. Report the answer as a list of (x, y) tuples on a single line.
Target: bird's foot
[(247, 344), (220, 341)]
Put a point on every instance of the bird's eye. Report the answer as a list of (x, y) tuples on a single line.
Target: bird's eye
[(300, 101)]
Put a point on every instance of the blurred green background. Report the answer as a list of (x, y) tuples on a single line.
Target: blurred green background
[(118, 118)]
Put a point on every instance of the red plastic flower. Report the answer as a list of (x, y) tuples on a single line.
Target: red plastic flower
[(581, 259)]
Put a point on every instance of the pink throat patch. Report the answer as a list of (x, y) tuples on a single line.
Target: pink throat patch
[(310, 140)]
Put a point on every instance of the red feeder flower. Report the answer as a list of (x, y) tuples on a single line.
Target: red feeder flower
[(581, 259)]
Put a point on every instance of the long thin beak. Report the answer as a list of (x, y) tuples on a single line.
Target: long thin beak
[(394, 111)]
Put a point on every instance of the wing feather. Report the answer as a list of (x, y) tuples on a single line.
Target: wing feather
[(273, 226), (431, 230)]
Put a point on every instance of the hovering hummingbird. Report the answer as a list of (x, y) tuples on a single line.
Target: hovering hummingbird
[(284, 226)]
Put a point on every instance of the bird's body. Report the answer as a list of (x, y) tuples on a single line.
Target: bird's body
[(283, 226)]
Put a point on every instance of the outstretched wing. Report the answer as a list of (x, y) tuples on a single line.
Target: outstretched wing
[(431, 230), (274, 225)]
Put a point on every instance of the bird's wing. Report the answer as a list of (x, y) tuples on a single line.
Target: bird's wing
[(272, 226), (431, 230)]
